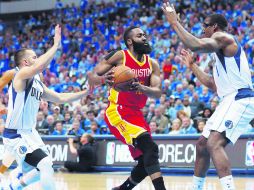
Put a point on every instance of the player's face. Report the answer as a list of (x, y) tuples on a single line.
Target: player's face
[(208, 28), (139, 42), (30, 58)]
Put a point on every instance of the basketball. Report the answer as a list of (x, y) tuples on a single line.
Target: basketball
[(123, 76)]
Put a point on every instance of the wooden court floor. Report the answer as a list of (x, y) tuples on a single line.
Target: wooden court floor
[(105, 181)]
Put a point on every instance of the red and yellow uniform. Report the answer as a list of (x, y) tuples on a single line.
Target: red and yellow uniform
[(123, 115)]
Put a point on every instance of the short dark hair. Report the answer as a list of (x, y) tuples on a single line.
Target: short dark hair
[(220, 20), (126, 34), (58, 121), (19, 54), (90, 138)]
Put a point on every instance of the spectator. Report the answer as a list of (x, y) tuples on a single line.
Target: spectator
[(94, 128), (41, 124), (167, 66), (153, 127), (170, 110), (214, 104), (181, 114), (104, 130), (86, 152), (50, 124), (56, 114), (161, 121), (207, 113), (186, 105), (90, 118), (201, 125), (196, 105), (59, 130), (175, 127), (150, 113), (179, 92), (67, 122), (178, 104), (205, 96), (166, 88), (100, 118), (76, 130), (187, 127)]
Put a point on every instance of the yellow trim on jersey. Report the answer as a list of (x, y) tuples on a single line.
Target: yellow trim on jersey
[(138, 62), (150, 64), (113, 95), (126, 129)]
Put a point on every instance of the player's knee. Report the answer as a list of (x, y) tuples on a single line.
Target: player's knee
[(213, 146), (150, 153), (151, 157), (46, 165), (139, 173), (201, 147)]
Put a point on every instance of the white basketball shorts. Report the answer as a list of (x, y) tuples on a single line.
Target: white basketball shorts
[(231, 116)]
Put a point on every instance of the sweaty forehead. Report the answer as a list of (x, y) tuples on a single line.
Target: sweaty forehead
[(137, 31)]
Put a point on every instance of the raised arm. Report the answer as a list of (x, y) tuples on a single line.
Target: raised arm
[(219, 40), (6, 78), (62, 98), (39, 64), (154, 90), (204, 78)]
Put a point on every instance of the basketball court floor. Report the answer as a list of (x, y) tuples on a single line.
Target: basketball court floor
[(105, 181)]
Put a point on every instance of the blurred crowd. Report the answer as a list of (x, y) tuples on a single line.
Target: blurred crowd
[(90, 30)]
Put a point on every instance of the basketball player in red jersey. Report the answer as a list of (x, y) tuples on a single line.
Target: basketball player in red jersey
[(124, 116)]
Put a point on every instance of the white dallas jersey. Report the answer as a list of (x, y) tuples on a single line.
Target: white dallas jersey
[(23, 106), (231, 73)]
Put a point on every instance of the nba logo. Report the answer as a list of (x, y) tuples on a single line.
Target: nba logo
[(249, 159), (110, 156), (22, 149)]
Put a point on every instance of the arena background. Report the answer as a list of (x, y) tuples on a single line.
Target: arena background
[(90, 30)]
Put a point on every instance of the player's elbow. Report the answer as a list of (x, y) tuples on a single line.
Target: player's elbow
[(157, 94), (61, 99), (98, 71)]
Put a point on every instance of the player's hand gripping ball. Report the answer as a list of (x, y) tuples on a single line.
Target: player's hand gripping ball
[(123, 78)]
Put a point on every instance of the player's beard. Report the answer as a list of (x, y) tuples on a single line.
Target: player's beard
[(141, 48)]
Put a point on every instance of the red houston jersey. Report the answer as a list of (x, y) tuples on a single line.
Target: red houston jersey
[(143, 71)]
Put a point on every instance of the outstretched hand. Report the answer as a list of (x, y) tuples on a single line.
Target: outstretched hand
[(187, 58), (170, 13), (57, 37)]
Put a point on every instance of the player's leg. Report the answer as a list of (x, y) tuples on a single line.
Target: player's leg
[(7, 160), (30, 176), (151, 159), (202, 164), (129, 126), (228, 127), (39, 159), (138, 173), (216, 146)]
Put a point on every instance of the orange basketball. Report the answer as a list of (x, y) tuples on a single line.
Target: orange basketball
[(123, 76)]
